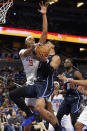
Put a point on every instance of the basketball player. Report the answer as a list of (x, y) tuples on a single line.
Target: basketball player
[(16, 95), (72, 100), (42, 88), (82, 120), (30, 64), (30, 67), (56, 99), (43, 73)]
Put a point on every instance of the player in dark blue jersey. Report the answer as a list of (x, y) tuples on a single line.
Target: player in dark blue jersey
[(82, 119), (42, 88), (72, 100)]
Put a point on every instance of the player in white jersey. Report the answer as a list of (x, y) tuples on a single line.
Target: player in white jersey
[(56, 100), (29, 62), (30, 68), (39, 90)]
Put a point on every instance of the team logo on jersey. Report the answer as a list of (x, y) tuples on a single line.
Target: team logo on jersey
[(28, 58), (57, 101)]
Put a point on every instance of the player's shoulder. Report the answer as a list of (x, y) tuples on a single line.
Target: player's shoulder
[(56, 57), (22, 51), (78, 74)]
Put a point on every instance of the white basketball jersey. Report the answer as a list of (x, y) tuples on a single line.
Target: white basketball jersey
[(30, 67), (56, 102)]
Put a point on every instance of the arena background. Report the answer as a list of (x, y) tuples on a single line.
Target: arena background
[(64, 17), (67, 29)]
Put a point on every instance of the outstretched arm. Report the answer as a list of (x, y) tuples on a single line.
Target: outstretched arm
[(43, 11), (82, 89), (78, 82)]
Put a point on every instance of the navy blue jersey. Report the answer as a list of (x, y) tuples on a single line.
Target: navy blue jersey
[(45, 73), (67, 84), (45, 70)]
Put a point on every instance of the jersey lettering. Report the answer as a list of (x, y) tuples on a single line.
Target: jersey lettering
[(30, 62)]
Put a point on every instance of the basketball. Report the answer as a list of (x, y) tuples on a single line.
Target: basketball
[(42, 51)]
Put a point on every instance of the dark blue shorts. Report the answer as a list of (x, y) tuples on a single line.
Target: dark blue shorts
[(71, 104), (38, 90)]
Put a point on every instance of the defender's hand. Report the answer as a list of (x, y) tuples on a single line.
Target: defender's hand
[(43, 7), (62, 77)]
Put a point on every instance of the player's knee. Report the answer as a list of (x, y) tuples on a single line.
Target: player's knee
[(39, 107)]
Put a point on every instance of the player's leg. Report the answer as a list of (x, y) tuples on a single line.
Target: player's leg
[(75, 108), (18, 96), (63, 109), (50, 109), (28, 127), (40, 107), (82, 120), (30, 102), (79, 126)]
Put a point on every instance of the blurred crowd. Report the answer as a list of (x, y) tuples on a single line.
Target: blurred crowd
[(8, 54), (10, 116)]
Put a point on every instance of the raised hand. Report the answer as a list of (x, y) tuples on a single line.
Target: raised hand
[(43, 7)]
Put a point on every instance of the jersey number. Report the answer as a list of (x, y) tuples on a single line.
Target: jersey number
[(30, 63)]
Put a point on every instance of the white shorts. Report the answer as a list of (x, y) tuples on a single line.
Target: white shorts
[(30, 101), (83, 117)]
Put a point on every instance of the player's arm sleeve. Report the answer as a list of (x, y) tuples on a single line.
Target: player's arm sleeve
[(21, 52)]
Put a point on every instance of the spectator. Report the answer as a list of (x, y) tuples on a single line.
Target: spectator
[(1, 97), (57, 98)]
